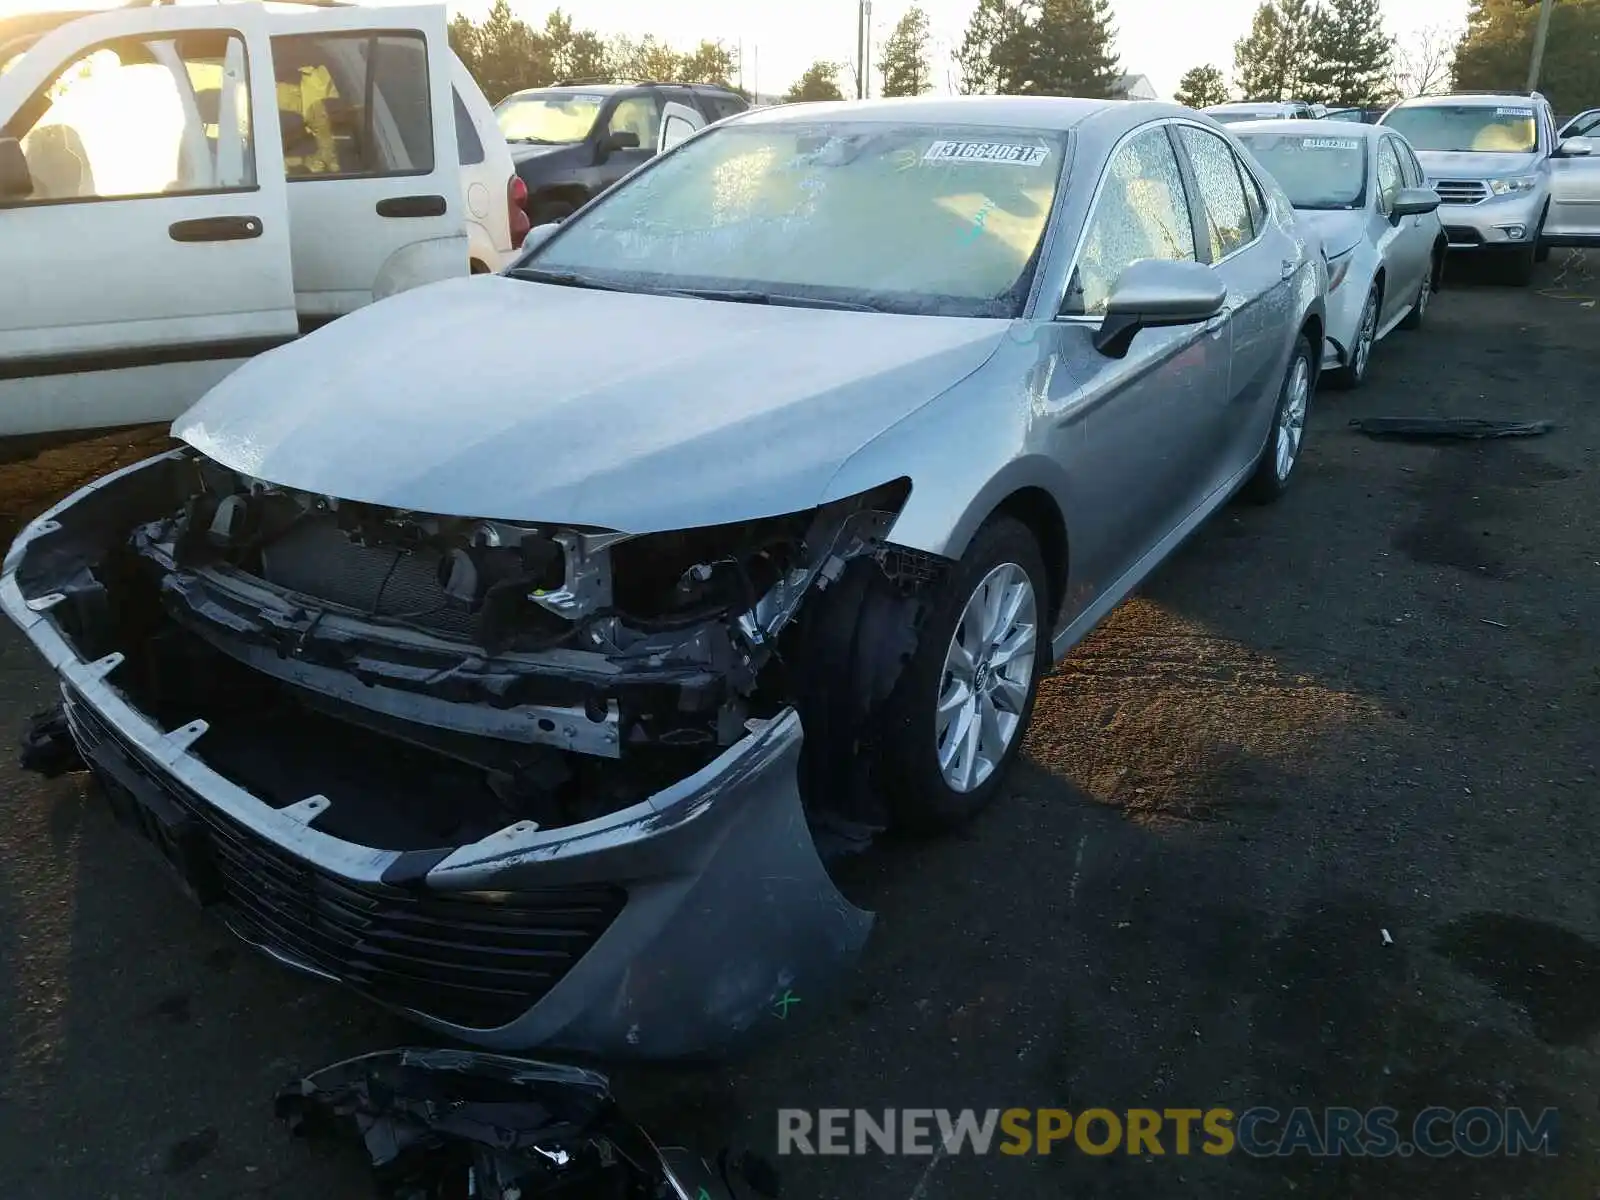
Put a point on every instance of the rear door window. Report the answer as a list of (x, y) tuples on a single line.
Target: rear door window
[(354, 105), (1219, 174)]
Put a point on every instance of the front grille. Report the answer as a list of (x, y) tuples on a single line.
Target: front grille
[(318, 559), (1462, 235), (471, 962), (1461, 191)]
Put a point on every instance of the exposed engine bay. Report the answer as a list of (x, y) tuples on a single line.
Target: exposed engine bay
[(438, 678)]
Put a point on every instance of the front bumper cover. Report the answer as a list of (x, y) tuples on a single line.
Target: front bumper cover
[(728, 916)]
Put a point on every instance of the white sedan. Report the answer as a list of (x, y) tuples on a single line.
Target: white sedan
[(1359, 187)]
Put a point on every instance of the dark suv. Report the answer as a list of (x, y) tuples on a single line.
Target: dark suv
[(573, 141)]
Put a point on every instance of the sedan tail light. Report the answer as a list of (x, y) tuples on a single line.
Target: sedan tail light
[(517, 204)]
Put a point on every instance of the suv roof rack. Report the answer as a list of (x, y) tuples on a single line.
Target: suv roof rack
[(1483, 92)]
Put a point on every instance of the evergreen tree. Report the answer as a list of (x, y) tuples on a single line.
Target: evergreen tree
[(1201, 87), (1348, 54), (1269, 61), (819, 82), (1066, 50), (1497, 48), (988, 52), (904, 65), (709, 62)]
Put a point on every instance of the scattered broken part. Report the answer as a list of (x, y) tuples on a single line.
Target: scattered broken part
[(446, 1123), (47, 745), (1447, 428)]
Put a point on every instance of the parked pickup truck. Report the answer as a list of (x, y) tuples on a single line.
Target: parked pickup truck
[(183, 187)]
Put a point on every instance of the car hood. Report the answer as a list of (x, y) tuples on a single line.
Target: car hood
[(1452, 164), (497, 398), (1339, 230)]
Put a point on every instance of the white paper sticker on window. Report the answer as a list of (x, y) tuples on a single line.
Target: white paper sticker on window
[(1513, 112), (1330, 143), (996, 152)]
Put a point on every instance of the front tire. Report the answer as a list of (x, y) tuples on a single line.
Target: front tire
[(1354, 374), (1278, 457), (957, 717), (1419, 307)]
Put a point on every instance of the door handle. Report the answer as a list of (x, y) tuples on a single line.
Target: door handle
[(215, 229), (412, 206)]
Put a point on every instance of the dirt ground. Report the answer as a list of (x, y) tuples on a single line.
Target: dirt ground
[(1370, 708)]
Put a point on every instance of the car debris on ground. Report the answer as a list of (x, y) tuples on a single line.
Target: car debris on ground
[(440, 1124)]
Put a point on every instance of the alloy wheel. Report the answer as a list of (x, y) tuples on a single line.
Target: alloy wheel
[(1365, 337), (988, 672), (1292, 417)]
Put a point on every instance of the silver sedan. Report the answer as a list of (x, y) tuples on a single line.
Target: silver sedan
[(1360, 188), (466, 650)]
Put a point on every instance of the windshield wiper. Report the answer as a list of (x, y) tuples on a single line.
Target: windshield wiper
[(750, 296), (532, 141), (563, 279)]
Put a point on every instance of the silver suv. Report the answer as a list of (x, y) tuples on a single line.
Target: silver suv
[(1489, 158)]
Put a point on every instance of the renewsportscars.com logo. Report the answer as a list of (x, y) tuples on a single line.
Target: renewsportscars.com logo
[(1259, 1132)]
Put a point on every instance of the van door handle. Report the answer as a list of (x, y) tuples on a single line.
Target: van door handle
[(412, 206), (215, 229)]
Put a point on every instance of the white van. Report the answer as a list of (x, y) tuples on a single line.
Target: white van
[(182, 187)]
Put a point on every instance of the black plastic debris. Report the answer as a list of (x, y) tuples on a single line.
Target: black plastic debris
[(1447, 428), (454, 1124), (47, 745)]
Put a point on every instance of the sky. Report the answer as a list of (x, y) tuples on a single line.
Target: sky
[(1158, 38)]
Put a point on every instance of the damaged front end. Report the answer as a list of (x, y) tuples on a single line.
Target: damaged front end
[(532, 785)]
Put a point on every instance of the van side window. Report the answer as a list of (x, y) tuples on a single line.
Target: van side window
[(325, 83)]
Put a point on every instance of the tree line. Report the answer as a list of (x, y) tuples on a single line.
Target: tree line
[(1334, 52), (1337, 52), (505, 54)]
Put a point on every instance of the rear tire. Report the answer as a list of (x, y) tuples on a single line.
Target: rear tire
[(1275, 467), (958, 715)]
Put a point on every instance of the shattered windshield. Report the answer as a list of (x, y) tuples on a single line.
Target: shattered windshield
[(551, 117), (904, 218), (1314, 172), (1475, 128)]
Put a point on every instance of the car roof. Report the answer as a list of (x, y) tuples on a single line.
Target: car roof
[(1253, 106), (1344, 129), (1047, 114), (1471, 100)]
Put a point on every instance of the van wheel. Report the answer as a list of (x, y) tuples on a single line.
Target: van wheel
[(956, 719)]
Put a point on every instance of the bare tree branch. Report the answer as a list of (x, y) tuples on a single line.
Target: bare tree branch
[(1422, 61)]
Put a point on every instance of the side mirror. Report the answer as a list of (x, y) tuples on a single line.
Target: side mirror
[(1576, 147), (540, 234), (1157, 294), (622, 139), (16, 181), (1414, 202)]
